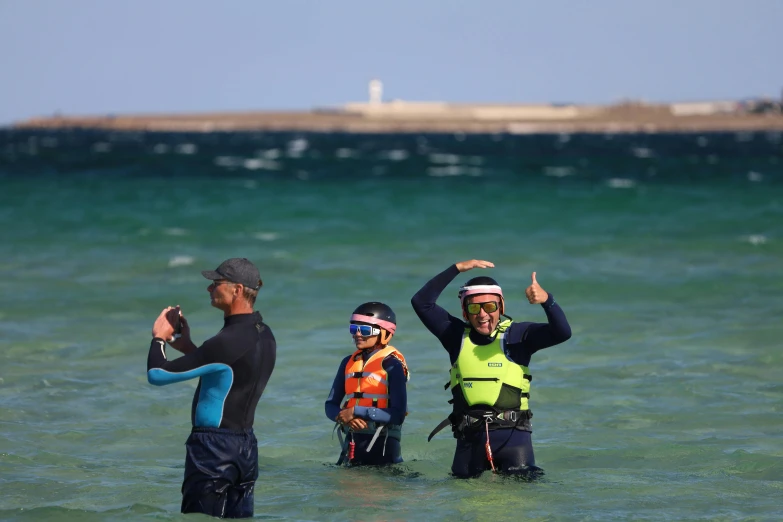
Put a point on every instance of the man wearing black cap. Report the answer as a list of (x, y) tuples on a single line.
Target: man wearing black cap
[(233, 367)]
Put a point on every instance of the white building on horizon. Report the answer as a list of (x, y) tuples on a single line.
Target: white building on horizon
[(375, 88)]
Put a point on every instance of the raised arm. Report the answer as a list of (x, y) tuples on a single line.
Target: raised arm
[(524, 339), (436, 319), (211, 357), (556, 330), (165, 325)]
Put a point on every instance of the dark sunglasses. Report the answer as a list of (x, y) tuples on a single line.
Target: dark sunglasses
[(475, 308), (365, 330)]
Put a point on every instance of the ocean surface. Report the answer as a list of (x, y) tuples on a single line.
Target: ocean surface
[(664, 251)]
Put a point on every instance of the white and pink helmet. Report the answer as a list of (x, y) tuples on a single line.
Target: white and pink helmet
[(481, 285)]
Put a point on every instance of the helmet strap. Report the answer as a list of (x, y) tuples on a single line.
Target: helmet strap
[(384, 338)]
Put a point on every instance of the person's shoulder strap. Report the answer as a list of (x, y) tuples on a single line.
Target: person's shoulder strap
[(391, 351)]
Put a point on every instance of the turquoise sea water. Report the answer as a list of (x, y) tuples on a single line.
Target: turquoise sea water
[(665, 252)]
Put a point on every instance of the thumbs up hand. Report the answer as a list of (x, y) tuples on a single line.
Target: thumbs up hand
[(535, 294)]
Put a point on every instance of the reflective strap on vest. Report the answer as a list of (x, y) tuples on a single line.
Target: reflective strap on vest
[(359, 375), (362, 395)]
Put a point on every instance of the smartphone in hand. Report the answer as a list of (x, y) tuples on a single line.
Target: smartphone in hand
[(178, 326)]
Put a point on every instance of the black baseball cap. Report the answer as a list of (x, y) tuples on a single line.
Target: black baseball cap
[(237, 270)]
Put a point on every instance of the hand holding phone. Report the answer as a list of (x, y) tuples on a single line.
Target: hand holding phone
[(178, 324)]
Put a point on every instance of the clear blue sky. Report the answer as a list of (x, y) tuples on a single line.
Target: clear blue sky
[(131, 56)]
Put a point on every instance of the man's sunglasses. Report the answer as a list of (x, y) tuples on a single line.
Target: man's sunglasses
[(365, 330), (475, 308)]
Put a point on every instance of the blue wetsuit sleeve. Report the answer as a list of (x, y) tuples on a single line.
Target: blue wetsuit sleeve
[(398, 396), (525, 339), (332, 406), (447, 328), (202, 361)]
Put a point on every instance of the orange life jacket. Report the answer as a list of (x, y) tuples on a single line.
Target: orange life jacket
[(366, 383)]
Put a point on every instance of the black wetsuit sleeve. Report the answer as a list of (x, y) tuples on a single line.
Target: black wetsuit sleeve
[(210, 357), (332, 406), (525, 339), (398, 396), (447, 328)]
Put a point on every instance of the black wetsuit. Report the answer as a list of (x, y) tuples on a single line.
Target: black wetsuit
[(385, 450), (233, 367), (512, 448)]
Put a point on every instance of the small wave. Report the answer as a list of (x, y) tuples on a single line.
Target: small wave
[(394, 155), (755, 176), (559, 172), (101, 146), (187, 148), (642, 152), (174, 231), (270, 153), (266, 236), (227, 161), (755, 239), (621, 183), (261, 164), (161, 148), (180, 261), (451, 159), (345, 153), (297, 147), (453, 170)]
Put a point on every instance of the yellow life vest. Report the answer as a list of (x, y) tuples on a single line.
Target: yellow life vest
[(486, 377)]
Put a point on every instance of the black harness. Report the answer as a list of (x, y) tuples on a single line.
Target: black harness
[(473, 421)]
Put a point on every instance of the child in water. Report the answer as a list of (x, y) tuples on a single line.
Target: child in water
[(372, 382)]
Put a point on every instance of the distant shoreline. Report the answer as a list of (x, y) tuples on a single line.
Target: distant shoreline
[(364, 123)]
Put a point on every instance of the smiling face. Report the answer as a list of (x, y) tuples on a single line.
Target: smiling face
[(483, 322)]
